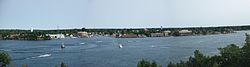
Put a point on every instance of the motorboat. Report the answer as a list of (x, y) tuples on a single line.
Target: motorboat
[(120, 46), (62, 46)]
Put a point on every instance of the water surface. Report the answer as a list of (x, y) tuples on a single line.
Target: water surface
[(105, 51)]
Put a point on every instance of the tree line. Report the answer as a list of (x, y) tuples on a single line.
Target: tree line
[(142, 31)]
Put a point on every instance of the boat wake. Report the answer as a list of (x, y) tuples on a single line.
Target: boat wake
[(99, 41), (153, 46), (45, 55), (5, 50), (82, 43), (40, 56)]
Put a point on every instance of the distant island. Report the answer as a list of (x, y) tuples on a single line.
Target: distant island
[(34, 34)]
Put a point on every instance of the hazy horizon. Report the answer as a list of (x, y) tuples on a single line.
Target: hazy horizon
[(115, 27), (70, 14)]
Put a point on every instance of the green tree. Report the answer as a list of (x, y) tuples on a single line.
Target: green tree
[(154, 64), (24, 65), (63, 65), (199, 60), (171, 65), (230, 56), (4, 59), (146, 63), (246, 52)]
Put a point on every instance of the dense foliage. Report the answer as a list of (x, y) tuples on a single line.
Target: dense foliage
[(145, 63), (62, 65), (24, 65), (4, 59)]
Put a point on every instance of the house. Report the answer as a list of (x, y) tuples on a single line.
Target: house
[(83, 34), (185, 32), (157, 35), (166, 33), (56, 36), (126, 36), (13, 36), (129, 36)]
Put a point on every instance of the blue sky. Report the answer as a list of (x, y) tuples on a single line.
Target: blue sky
[(48, 14)]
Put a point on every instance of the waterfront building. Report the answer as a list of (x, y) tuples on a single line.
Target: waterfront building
[(166, 33), (141, 36), (127, 36), (185, 32), (14, 35), (83, 34), (56, 36), (157, 35)]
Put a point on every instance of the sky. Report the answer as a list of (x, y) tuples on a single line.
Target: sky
[(50, 14)]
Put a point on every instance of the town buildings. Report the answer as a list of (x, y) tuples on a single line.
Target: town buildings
[(161, 34), (56, 36)]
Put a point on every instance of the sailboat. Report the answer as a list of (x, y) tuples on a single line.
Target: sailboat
[(120, 46), (62, 45)]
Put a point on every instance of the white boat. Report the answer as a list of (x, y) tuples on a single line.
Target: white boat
[(62, 46), (120, 46), (82, 43)]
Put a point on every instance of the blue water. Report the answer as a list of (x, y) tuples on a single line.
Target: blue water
[(105, 51)]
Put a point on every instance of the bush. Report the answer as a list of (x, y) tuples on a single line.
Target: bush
[(4, 59), (146, 63)]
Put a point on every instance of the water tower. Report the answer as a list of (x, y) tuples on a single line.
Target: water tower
[(31, 29)]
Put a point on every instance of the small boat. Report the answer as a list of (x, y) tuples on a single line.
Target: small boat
[(82, 43), (120, 46), (62, 46)]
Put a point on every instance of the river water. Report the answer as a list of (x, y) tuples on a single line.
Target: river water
[(105, 51)]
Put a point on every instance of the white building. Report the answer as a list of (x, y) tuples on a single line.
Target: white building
[(83, 34), (185, 32), (57, 36), (157, 35), (166, 33)]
